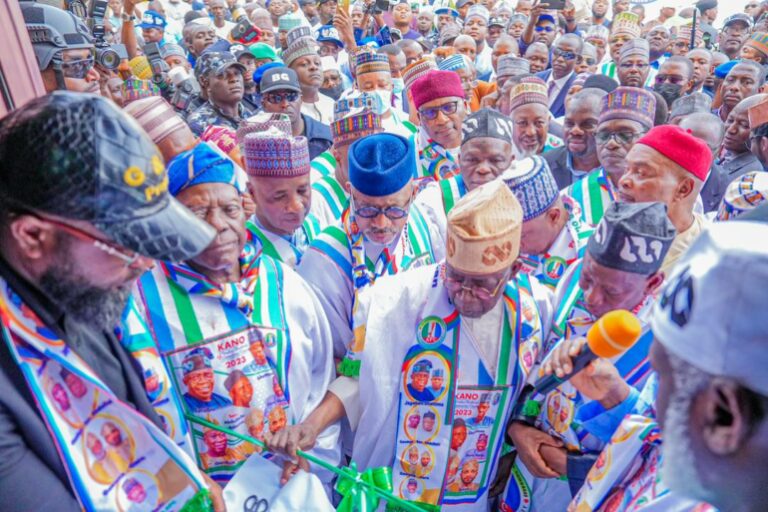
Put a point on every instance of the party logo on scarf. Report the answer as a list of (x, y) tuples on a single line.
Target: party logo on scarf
[(431, 331), (554, 267)]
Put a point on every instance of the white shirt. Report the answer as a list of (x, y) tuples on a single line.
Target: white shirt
[(224, 31), (321, 110)]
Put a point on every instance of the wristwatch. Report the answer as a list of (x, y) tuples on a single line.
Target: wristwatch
[(128, 17)]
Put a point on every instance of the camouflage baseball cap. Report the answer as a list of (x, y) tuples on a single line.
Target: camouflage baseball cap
[(79, 157), (216, 63)]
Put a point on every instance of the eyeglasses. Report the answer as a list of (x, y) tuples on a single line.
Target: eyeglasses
[(589, 61), (546, 28), (482, 293), (390, 212), (621, 138), (77, 68), (557, 52), (636, 65), (277, 98), (128, 257), (448, 109), (672, 79)]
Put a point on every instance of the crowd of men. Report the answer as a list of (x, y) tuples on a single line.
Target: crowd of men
[(367, 232)]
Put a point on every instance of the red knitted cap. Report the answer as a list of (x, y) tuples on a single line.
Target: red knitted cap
[(687, 151), (436, 84)]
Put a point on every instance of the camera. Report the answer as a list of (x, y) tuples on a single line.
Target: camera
[(158, 65), (244, 32), (186, 88), (107, 56)]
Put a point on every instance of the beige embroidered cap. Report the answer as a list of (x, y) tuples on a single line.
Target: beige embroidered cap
[(484, 230)]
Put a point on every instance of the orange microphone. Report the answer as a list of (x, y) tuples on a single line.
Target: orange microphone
[(613, 334)]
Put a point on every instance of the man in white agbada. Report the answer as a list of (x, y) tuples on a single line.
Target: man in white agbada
[(382, 232), (277, 164), (242, 335), (470, 320)]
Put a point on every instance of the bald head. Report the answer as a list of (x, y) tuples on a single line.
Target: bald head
[(590, 97), (463, 38), (573, 39), (507, 41), (748, 103), (707, 127)]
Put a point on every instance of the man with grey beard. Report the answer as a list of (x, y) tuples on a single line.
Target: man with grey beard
[(84, 207), (708, 396)]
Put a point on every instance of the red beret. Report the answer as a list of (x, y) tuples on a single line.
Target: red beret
[(436, 84), (687, 151)]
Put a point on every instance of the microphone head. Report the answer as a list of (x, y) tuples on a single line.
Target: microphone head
[(614, 333)]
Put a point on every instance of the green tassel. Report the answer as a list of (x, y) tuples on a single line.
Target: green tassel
[(200, 502)]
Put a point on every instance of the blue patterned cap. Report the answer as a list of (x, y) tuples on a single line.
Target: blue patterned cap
[(533, 184), (381, 164), (197, 166), (454, 63), (152, 19)]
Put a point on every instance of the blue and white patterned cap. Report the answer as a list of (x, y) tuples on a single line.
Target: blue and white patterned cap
[(533, 184)]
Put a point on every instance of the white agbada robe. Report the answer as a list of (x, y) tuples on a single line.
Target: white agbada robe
[(394, 308), (310, 367)]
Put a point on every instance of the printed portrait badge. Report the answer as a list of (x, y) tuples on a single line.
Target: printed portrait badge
[(431, 331)]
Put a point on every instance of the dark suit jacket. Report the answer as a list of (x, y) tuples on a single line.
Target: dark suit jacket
[(558, 163), (714, 188), (728, 171), (558, 106), (32, 475)]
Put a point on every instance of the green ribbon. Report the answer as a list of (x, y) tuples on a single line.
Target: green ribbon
[(361, 491)]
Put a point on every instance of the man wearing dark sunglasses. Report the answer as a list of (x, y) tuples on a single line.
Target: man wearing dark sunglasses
[(63, 46), (560, 78), (75, 233), (281, 94)]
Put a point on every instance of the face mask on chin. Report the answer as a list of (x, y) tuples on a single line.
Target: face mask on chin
[(333, 92), (398, 86), (670, 92), (384, 103)]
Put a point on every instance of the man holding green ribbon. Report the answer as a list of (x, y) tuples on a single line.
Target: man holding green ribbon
[(232, 317), (84, 203), (478, 322)]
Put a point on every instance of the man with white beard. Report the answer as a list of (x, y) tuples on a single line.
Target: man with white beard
[(710, 394)]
